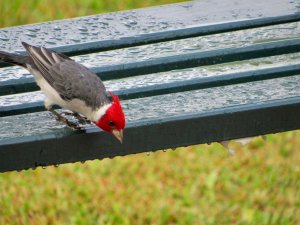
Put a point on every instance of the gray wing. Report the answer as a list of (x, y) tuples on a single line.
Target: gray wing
[(70, 79)]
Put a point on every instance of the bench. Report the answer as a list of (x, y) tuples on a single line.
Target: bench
[(188, 73)]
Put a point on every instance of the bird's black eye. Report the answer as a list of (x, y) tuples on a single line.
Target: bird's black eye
[(111, 123)]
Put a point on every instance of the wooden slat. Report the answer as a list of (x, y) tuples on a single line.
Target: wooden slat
[(136, 27), (33, 102), (164, 108), (151, 135), (154, 51), (157, 122), (181, 61), (173, 104)]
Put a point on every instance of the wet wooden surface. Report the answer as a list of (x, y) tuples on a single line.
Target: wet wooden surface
[(194, 77)]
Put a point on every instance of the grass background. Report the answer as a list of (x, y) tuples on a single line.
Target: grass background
[(192, 185)]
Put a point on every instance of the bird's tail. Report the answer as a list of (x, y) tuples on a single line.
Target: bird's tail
[(12, 58)]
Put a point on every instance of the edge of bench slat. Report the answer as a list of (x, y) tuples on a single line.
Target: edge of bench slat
[(147, 135), (167, 63), (219, 125), (169, 35), (173, 87), (191, 21)]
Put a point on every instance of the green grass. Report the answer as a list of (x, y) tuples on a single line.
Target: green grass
[(192, 185), (17, 12)]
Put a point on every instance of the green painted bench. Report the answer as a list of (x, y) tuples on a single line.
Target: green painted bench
[(187, 73)]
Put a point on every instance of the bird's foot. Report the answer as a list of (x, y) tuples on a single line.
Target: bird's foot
[(73, 125), (81, 119), (67, 122)]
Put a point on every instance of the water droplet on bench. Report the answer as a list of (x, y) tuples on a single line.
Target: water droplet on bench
[(132, 22), (84, 29), (108, 18), (57, 28), (103, 23), (75, 39), (30, 35), (33, 29), (126, 24), (4, 39), (50, 42)]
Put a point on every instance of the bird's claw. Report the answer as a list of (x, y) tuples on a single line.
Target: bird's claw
[(59, 117), (81, 119), (74, 126)]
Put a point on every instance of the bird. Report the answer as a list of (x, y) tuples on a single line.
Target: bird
[(71, 86)]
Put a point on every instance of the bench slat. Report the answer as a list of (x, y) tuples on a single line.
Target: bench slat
[(53, 149), (144, 53), (199, 58), (169, 105), (136, 27), (187, 76), (214, 114), (33, 102)]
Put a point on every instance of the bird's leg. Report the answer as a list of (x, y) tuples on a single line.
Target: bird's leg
[(67, 113), (59, 117), (81, 119)]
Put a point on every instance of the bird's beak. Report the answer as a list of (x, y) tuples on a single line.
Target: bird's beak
[(118, 134)]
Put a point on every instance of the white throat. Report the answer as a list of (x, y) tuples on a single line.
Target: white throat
[(100, 112)]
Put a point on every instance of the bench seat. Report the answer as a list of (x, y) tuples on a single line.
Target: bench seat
[(185, 76)]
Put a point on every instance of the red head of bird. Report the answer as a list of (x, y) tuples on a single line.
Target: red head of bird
[(113, 121)]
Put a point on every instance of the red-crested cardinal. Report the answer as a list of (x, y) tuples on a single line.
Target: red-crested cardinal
[(72, 86)]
